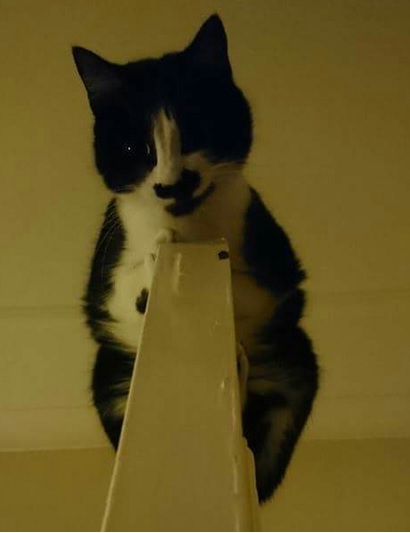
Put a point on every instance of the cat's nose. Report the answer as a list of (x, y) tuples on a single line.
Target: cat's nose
[(184, 188)]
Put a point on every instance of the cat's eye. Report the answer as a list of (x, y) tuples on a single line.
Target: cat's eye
[(141, 150)]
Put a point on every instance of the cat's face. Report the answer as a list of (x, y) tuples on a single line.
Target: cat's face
[(167, 119)]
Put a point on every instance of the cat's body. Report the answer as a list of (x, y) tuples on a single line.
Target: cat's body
[(186, 183)]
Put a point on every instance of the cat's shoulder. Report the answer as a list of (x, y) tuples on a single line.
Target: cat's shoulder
[(268, 250)]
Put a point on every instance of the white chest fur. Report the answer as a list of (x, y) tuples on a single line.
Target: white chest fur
[(222, 215)]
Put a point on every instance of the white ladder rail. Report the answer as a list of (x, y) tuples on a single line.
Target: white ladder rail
[(182, 463)]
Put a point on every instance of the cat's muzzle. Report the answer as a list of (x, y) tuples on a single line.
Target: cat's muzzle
[(183, 189)]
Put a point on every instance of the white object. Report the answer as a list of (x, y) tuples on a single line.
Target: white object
[(182, 463)]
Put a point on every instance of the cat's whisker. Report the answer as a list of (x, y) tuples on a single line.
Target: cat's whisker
[(111, 234), (110, 226), (110, 217), (124, 188), (113, 217)]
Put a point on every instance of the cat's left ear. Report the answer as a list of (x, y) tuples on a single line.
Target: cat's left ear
[(100, 77), (210, 46)]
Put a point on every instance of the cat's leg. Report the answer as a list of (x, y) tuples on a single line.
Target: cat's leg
[(164, 235), (110, 386), (113, 367), (281, 388)]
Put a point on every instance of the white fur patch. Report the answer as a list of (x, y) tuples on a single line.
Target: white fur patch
[(281, 422), (168, 147), (118, 405)]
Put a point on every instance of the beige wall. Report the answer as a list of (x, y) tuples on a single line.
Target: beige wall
[(331, 486)]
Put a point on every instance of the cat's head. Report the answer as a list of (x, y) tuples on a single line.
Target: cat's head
[(160, 119)]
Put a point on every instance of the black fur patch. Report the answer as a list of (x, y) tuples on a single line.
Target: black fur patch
[(257, 406), (268, 251), (291, 366), (183, 189), (111, 368), (186, 206)]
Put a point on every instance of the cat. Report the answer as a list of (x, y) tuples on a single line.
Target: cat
[(171, 139)]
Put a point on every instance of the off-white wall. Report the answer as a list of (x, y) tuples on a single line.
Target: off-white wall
[(331, 486)]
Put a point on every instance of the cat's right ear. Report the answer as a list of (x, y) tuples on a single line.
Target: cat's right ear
[(100, 77), (210, 46)]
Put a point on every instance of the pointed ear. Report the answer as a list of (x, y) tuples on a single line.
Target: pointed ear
[(210, 45), (99, 76)]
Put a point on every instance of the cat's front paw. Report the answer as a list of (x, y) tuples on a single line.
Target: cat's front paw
[(164, 236)]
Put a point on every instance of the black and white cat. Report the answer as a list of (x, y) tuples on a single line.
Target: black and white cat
[(171, 139)]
